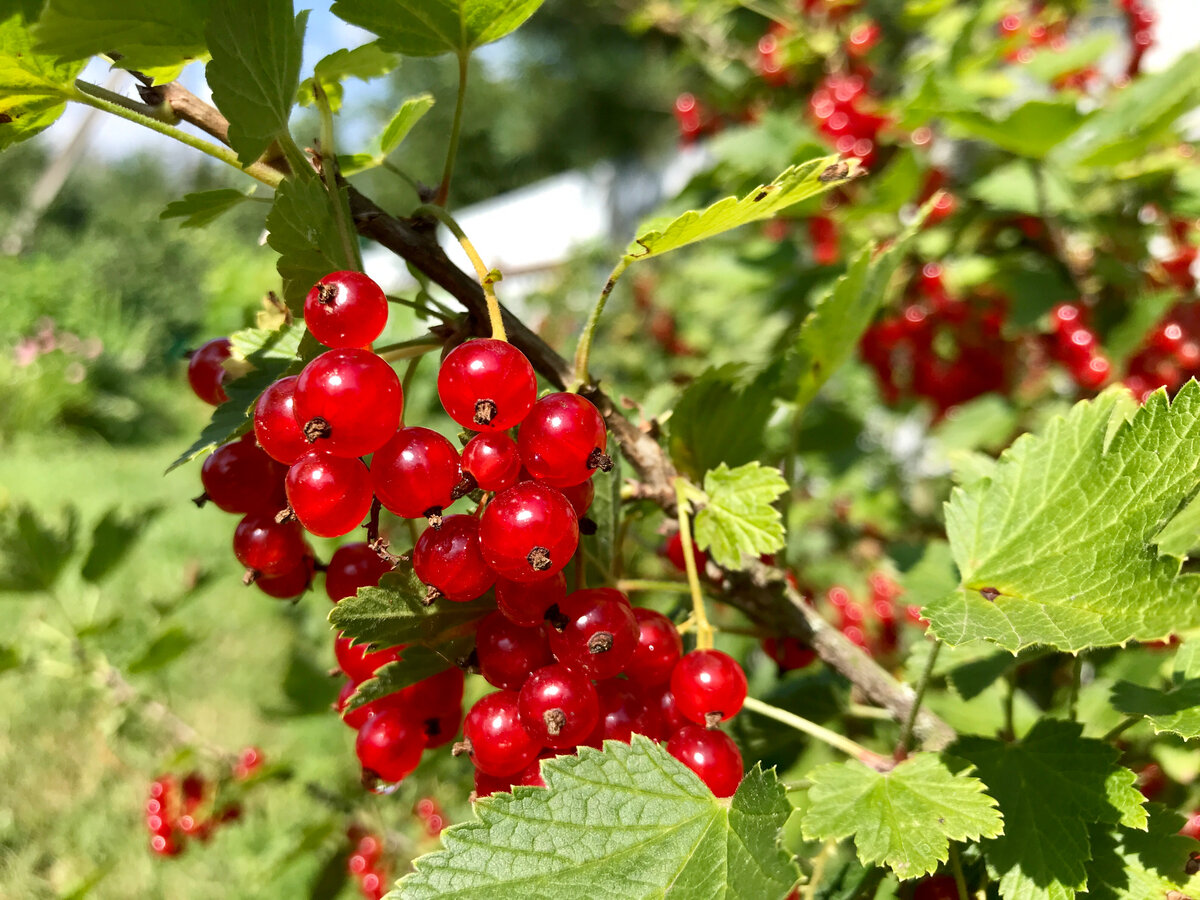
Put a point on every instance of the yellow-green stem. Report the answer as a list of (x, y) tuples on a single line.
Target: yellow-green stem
[(484, 274), (341, 210), (812, 729), (443, 192), (956, 867), (584, 350), (704, 630), (635, 584)]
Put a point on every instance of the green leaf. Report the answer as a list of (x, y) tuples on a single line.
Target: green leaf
[(631, 822), (395, 613), (416, 664), (201, 208), (1055, 546), (148, 34), (796, 184), (1175, 709), (1052, 786), (255, 69), (408, 115), (167, 647), (1033, 129), (33, 88), (364, 63), (1013, 187), (301, 228), (739, 517), (720, 417), (33, 552), (433, 27), (903, 819), (1143, 313), (1134, 865), (113, 538), (605, 511), (1051, 62)]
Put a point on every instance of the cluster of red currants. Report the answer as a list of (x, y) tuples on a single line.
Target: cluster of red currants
[(940, 347), (181, 810), (1072, 343), (842, 109), (1141, 19), (1170, 355), (366, 864)]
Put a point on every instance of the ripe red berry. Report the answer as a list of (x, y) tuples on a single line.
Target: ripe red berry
[(266, 546), (345, 309), (330, 495), (166, 845), (449, 560), (789, 653), (594, 632), (658, 648), (487, 385), (250, 760), (491, 458), (358, 661), (1191, 828), (558, 707), (708, 683), (441, 730), (562, 440), (580, 496), (526, 604), (205, 373), (415, 473), (358, 716), (275, 425), (626, 709), (293, 582), (668, 710), (711, 754), (239, 478), (350, 400), (433, 697), (528, 532), (496, 739), (353, 566), (390, 744), (673, 551), (508, 653), (938, 887)]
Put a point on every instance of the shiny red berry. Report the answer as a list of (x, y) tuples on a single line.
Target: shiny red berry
[(205, 373), (491, 458), (558, 707), (580, 496), (508, 653), (526, 604), (658, 648), (349, 401), (292, 583), (390, 744), (711, 754), (497, 741), (563, 439), (487, 385), (351, 567), (266, 546), (358, 661), (594, 632), (275, 425), (626, 708), (449, 560), (345, 309), (708, 683), (415, 473), (330, 495), (239, 478), (668, 711), (358, 716), (528, 532), (436, 695)]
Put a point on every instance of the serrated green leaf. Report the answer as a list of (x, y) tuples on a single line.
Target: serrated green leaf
[(1052, 787), (301, 228), (159, 35), (1056, 545), (415, 664), (33, 88), (1174, 709), (797, 183), (408, 115), (364, 63), (903, 819), (201, 208), (1033, 129), (1136, 865), (255, 69), (433, 27), (739, 517), (114, 536), (631, 822), (33, 551), (167, 647), (720, 417), (394, 613)]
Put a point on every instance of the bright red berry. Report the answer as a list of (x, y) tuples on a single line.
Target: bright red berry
[(563, 439), (390, 744), (526, 604), (415, 473), (487, 385), (351, 567), (626, 709), (708, 683), (658, 648), (239, 478), (508, 653), (350, 400), (491, 458), (594, 632), (292, 583), (673, 551), (205, 373), (711, 754), (558, 707), (528, 532), (266, 546), (358, 716), (449, 560), (345, 309), (668, 711), (358, 661), (275, 425), (496, 740), (330, 495), (580, 496)]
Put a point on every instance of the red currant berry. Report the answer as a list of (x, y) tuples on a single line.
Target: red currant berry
[(205, 373), (562, 440), (291, 583), (526, 604), (708, 683), (345, 309), (441, 730), (330, 495), (668, 711), (486, 785), (658, 648), (487, 385), (358, 661), (492, 460), (673, 551), (250, 760), (528, 532), (390, 744), (275, 425), (350, 400), (580, 496), (789, 653), (1191, 828), (626, 710), (415, 473), (166, 845), (358, 716), (266, 546), (508, 653), (433, 697), (494, 736), (448, 559), (239, 478), (558, 707), (711, 754), (594, 632), (351, 567), (939, 887)]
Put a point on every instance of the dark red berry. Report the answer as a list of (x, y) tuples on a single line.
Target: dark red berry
[(594, 632), (580, 496), (626, 709), (293, 582), (526, 604), (508, 653), (390, 744), (528, 532), (449, 560), (349, 400), (562, 440), (330, 495), (711, 754), (491, 458), (358, 661), (239, 478), (266, 546), (558, 707), (275, 425), (345, 309), (789, 653), (441, 730), (351, 567), (673, 551), (658, 648), (668, 711), (415, 473), (938, 887), (708, 683), (487, 385), (205, 373), (497, 741), (436, 695)]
